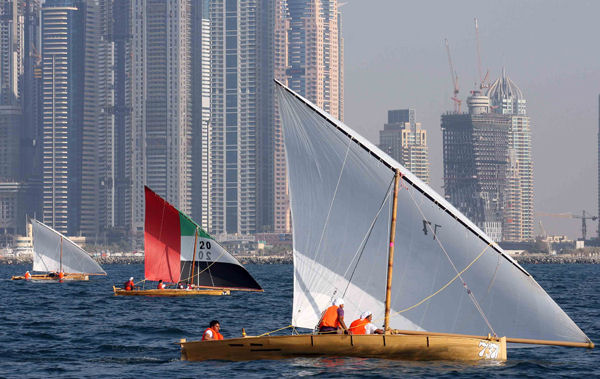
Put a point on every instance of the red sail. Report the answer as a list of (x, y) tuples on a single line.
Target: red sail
[(162, 239)]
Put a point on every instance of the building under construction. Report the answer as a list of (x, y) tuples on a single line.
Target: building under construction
[(476, 161)]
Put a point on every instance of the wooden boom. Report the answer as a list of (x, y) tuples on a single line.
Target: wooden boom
[(589, 345)]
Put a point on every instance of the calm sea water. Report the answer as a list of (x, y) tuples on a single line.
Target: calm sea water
[(80, 329)]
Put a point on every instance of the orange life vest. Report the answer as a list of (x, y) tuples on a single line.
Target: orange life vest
[(129, 285), (216, 335), (330, 318), (27, 276), (61, 275), (359, 326), (161, 286)]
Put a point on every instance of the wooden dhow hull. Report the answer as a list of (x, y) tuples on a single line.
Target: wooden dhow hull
[(48, 277), (397, 347), (172, 292)]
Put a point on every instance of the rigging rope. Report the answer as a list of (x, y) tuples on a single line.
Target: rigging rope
[(459, 274), (276, 330), (318, 250), (363, 244), (445, 285)]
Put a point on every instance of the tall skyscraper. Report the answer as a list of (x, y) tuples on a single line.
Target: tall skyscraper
[(507, 99), (19, 115), (165, 71), (241, 114), (120, 32), (475, 163), (311, 40), (201, 123), (403, 139), (63, 86), (315, 67), (168, 100)]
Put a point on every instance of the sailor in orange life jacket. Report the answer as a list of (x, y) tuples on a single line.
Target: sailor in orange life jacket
[(212, 332), (363, 325), (333, 318), (27, 275), (61, 275), (129, 285), (161, 285)]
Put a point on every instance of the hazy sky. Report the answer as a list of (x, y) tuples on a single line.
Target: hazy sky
[(395, 58)]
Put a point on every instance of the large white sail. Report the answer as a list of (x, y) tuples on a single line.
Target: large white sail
[(448, 275), (47, 253)]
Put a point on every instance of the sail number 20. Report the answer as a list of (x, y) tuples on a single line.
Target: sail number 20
[(204, 255)]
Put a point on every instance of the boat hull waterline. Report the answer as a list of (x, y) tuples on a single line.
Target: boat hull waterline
[(396, 347), (47, 277), (172, 292)]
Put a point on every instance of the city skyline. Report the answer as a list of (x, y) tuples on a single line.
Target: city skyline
[(559, 137), (388, 64)]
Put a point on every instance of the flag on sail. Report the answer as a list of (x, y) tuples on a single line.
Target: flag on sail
[(448, 276), (170, 256), (53, 252)]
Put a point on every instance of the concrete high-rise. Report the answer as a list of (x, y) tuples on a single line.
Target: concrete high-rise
[(62, 97), (201, 123), (242, 121), (163, 61), (403, 139), (311, 40), (19, 114), (475, 163), (507, 99), (315, 66), (168, 100)]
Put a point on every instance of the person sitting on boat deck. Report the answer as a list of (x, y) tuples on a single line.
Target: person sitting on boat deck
[(333, 318), (52, 274), (363, 325), (61, 275), (212, 332), (27, 275), (180, 286), (129, 285), (189, 287), (161, 285)]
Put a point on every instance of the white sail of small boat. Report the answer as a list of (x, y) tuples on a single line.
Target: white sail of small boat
[(54, 252), (448, 276)]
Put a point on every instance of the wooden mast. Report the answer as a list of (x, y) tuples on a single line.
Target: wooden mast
[(388, 290), (194, 256), (61, 243)]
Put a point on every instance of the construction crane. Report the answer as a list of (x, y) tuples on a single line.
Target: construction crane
[(583, 218), (454, 77), (482, 79)]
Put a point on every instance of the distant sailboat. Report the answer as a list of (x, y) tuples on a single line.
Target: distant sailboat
[(179, 250), (59, 257), (367, 230)]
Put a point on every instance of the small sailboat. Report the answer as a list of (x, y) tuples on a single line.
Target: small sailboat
[(177, 250), (58, 257), (367, 230)]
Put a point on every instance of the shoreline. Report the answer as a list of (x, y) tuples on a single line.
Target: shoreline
[(287, 259), (270, 259)]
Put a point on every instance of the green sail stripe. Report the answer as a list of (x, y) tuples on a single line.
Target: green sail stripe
[(188, 226)]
